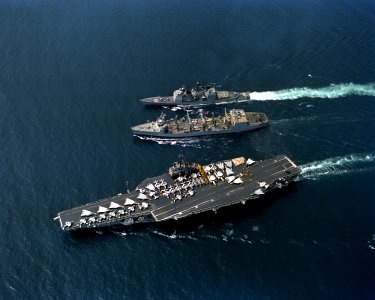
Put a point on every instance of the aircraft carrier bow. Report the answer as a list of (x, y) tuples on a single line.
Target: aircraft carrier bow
[(187, 189)]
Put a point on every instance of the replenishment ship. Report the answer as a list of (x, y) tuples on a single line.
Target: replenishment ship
[(200, 95), (186, 189), (236, 121)]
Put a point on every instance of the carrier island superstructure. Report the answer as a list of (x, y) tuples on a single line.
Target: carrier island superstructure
[(186, 189)]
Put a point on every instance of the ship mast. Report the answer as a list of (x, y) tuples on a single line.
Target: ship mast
[(188, 117), (201, 114)]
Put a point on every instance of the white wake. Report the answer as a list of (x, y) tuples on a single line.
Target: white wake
[(338, 165), (330, 92)]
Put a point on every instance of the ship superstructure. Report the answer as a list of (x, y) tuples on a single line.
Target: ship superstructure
[(235, 121)]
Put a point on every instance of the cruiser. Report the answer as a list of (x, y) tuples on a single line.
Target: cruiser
[(200, 95), (186, 189), (237, 120)]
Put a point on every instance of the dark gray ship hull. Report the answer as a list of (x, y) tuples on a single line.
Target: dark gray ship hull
[(160, 134), (273, 173), (168, 101)]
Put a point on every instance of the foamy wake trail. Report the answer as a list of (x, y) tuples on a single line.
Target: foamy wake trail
[(193, 142), (338, 165), (332, 91)]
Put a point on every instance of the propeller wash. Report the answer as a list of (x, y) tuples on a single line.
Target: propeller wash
[(329, 92), (338, 165)]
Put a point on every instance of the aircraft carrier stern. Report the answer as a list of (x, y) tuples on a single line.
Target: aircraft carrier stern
[(187, 189)]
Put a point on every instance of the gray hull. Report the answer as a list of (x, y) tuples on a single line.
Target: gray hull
[(168, 101), (272, 173), (196, 133)]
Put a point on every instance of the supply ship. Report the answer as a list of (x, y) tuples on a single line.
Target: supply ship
[(186, 189), (237, 120), (200, 95)]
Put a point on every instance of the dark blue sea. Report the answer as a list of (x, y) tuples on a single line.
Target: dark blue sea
[(71, 75)]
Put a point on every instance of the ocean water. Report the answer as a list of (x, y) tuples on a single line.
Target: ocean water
[(71, 74)]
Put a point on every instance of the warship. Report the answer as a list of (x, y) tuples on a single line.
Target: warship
[(186, 189), (200, 95), (237, 120)]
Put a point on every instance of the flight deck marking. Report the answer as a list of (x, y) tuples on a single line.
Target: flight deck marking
[(231, 192), (265, 172), (271, 163), (193, 203), (274, 167), (173, 204), (182, 211), (277, 166), (282, 171), (201, 203)]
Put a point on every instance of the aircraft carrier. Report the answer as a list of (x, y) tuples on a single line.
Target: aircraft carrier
[(237, 120), (200, 95), (186, 189)]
